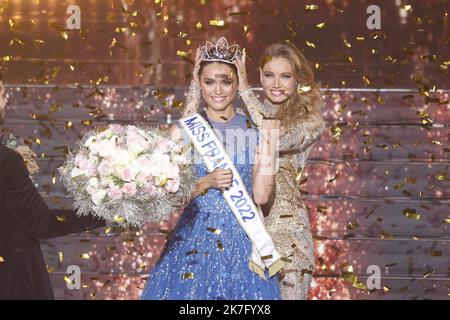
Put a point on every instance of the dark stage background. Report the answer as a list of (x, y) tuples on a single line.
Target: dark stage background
[(377, 185)]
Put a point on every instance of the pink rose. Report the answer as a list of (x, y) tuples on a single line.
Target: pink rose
[(81, 161), (115, 194), (150, 188), (129, 189), (105, 168), (172, 185), (126, 174), (115, 128), (92, 170), (164, 146)]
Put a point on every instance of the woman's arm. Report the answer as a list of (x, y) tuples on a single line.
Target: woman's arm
[(194, 94), (265, 162), (254, 106), (303, 134), (192, 100)]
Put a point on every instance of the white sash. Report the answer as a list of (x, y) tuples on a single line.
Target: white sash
[(205, 141)]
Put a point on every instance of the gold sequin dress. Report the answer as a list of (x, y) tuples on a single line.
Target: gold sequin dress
[(287, 219)]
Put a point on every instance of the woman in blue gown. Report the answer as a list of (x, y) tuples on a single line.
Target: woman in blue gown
[(207, 256)]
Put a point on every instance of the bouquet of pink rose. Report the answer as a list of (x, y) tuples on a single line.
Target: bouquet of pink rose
[(128, 175)]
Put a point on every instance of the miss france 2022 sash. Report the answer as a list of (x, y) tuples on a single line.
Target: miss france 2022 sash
[(207, 144)]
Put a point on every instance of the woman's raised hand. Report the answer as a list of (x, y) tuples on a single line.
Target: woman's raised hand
[(198, 60), (239, 62)]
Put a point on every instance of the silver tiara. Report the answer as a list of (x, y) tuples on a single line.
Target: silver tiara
[(220, 51)]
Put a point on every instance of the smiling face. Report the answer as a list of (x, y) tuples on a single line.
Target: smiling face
[(278, 80), (218, 84)]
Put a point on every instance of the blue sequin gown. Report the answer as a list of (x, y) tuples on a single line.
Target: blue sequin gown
[(200, 264)]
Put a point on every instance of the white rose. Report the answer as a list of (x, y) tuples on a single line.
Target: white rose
[(106, 181), (106, 148), (121, 157), (89, 141), (92, 185), (98, 196), (141, 180), (76, 172)]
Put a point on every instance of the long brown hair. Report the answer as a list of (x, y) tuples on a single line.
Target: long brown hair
[(302, 103)]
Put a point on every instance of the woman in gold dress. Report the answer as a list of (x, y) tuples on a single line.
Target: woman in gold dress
[(293, 97)]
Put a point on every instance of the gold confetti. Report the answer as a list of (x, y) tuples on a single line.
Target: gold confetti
[(311, 7), (67, 279), (165, 180), (286, 259), (214, 230), (350, 277), (322, 209), (334, 178), (267, 257), (198, 25), (64, 35), (220, 245), (384, 235), (61, 256), (304, 89), (411, 213), (119, 219), (436, 253), (321, 25), (188, 275), (84, 256), (347, 44), (427, 274), (352, 225), (195, 251), (182, 53), (407, 7), (61, 218), (298, 174), (310, 44), (2, 259), (217, 23), (121, 29)]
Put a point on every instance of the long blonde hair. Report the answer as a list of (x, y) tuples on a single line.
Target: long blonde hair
[(302, 103)]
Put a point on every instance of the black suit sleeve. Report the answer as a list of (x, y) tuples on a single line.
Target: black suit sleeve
[(29, 209)]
